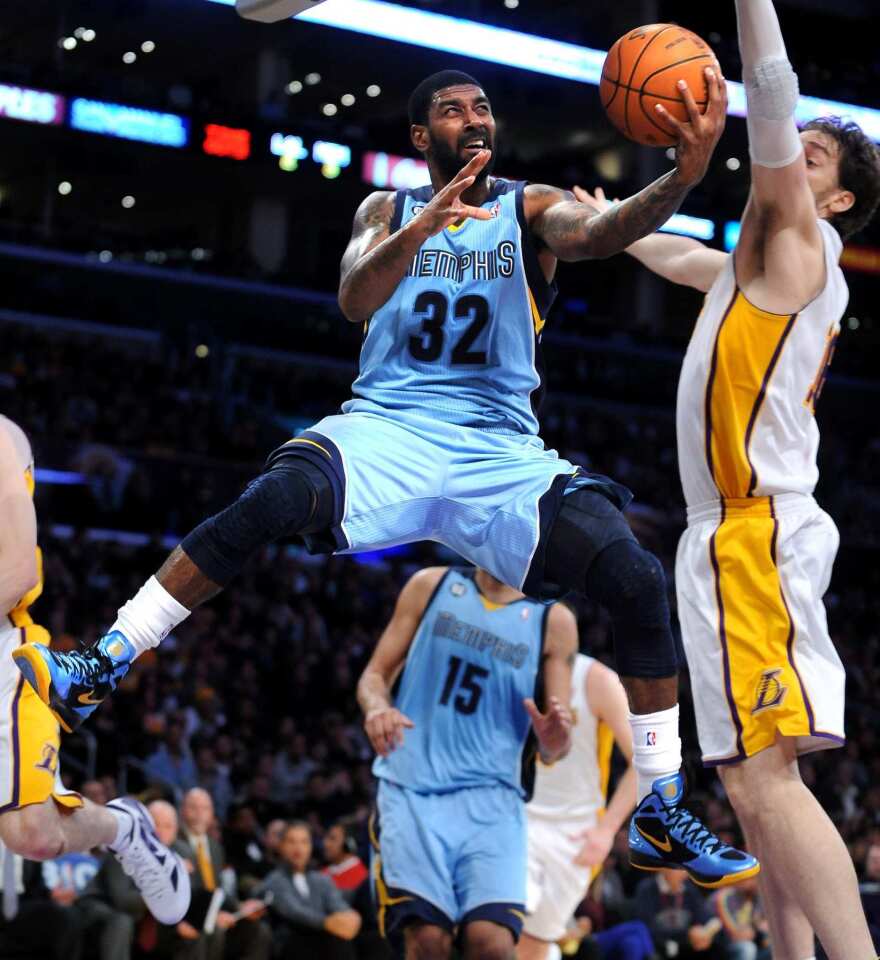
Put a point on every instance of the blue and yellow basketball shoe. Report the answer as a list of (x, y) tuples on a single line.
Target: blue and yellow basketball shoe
[(662, 833), (73, 684)]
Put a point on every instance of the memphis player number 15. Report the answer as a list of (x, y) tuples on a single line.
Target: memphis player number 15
[(433, 309), (468, 699)]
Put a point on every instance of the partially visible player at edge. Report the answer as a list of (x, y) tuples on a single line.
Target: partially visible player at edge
[(756, 558), (570, 830), (468, 657), (453, 282), (39, 818)]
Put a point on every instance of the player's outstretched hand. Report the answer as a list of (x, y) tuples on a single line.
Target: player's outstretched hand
[(595, 846), (596, 201), (447, 207), (385, 729), (553, 728), (698, 136)]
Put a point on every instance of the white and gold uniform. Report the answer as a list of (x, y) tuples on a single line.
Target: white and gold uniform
[(29, 734), (569, 798), (757, 554)]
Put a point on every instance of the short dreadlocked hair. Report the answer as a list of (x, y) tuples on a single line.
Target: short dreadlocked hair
[(420, 99)]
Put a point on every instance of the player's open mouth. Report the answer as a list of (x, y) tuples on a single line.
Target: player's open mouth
[(476, 145)]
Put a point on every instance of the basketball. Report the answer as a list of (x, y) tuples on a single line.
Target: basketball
[(642, 70)]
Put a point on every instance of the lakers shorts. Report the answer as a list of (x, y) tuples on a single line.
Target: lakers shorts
[(490, 497), (29, 736), (555, 884), (750, 575)]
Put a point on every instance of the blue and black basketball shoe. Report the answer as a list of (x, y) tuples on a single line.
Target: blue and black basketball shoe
[(72, 685), (663, 833)]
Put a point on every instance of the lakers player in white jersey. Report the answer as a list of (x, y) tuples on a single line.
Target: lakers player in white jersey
[(756, 558), (39, 818), (570, 829)]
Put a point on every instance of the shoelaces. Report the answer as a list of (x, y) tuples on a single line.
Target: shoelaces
[(693, 831)]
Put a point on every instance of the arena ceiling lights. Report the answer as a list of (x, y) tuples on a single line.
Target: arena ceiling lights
[(525, 51)]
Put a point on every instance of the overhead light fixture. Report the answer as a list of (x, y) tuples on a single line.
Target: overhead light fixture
[(347, 99), (78, 33), (148, 46), (733, 163), (89, 35), (293, 87), (105, 256), (373, 90), (313, 78), (329, 109), (511, 4), (129, 56), (65, 187), (128, 201), (69, 43)]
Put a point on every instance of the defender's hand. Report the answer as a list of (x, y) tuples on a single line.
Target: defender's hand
[(446, 206), (553, 728), (698, 136), (596, 844), (596, 201), (385, 728)]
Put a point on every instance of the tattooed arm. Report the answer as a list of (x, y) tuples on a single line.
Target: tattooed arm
[(376, 260), (572, 232)]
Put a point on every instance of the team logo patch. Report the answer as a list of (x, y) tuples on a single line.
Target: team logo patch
[(651, 738), (524, 615), (770, 692), (457, 590), (49, 759), (116, 648)]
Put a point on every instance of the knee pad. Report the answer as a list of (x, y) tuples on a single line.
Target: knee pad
[(629, 582), (586, 524), (291, 497)]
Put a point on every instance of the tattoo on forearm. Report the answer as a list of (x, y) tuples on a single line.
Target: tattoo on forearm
[(614, 230)]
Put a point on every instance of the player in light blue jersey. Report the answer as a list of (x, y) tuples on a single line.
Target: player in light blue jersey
[(467, 657), (439, 441)]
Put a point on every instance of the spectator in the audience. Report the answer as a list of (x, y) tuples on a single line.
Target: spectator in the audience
[(344, 867), (111, 908), (38, 928), (96, 791), (678, 916), (744, 927), (236, 939), (172, 763), (311, 916), (214, 779), (245, 852)]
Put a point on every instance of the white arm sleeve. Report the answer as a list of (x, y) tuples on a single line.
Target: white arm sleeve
[(771, 85)]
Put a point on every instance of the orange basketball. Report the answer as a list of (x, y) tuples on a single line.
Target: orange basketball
[(642, 69)]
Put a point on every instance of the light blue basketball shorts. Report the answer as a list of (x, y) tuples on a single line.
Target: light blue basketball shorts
[(489, 497), (449, 858)]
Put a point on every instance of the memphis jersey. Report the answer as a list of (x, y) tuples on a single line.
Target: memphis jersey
[(574, 788), (748, 389), (459, 340), (19, 615), (470, 665)]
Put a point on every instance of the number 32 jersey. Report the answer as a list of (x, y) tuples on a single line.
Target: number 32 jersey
[(470, 665), (459, 339)]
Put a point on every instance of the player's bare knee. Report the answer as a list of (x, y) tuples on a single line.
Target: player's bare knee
[(425, 941), (487, 941), (33, 832)]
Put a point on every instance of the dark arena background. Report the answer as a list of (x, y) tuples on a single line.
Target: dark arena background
[(177, 187)]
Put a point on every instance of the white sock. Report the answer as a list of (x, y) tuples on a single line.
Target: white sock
[(656, 747), (149, 616), (123, 828)]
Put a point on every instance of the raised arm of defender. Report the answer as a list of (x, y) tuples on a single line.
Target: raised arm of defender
[(18, 531), (779, 260), (376, 260), (572, 232)]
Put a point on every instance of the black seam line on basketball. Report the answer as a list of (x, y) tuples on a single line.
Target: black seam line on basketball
[(648, 93), (678, 63), (642, 52), (605, 106), (643, 93)]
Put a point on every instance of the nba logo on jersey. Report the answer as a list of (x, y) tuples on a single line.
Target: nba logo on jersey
[(651, 738)]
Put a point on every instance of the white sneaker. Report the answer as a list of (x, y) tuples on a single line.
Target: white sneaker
[(158, 872)]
